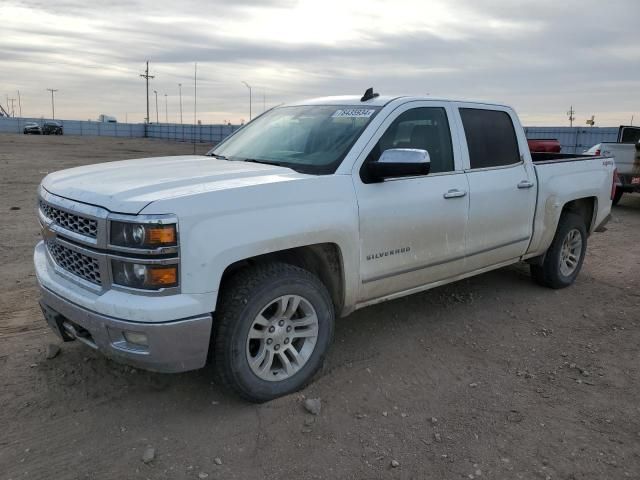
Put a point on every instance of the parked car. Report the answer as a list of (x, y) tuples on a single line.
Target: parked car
[(52, 128), (245, 256), (548, 145), (626, 152), (107, 119), (31, 128)]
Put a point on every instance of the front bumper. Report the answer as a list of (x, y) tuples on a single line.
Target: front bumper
[(173, 346)]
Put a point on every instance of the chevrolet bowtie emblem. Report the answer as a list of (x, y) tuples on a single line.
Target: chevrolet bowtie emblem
[(47, 232)]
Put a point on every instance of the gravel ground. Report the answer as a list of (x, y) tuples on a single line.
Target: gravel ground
[(491, 377)]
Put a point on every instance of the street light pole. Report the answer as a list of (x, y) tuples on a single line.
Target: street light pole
[(53, 107), (180, 88), (249, 87), (166, 109), (156, 93)]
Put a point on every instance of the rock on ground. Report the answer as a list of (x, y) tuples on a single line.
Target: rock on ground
[(313, 405), (149, 455)]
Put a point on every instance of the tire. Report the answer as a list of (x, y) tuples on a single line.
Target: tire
[(617, 196), (552, 273), (255, 301)]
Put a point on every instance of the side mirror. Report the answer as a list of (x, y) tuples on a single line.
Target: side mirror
[(399, 162)]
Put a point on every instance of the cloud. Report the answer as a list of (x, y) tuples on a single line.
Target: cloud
[(540, 56)]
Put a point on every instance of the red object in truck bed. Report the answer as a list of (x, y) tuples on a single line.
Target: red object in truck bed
[(549, 145)]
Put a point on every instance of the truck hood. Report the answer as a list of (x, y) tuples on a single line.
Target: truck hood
[(129, 186)]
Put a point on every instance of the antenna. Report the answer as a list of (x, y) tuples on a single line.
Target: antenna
[(368, 95)]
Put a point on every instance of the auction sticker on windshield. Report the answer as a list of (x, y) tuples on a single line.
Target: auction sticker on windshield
[(353, 113)]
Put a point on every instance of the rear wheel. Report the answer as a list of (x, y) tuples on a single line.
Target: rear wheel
[(617, 196), (565, 256), (273, 329)]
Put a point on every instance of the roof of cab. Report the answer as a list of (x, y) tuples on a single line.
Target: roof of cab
[(347, 100), (382, 100)]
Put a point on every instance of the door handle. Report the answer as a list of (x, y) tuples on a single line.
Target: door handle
[(455, 193), (525, 184)]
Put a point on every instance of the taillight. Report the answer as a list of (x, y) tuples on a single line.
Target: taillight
[(615, 182), (598, 152)]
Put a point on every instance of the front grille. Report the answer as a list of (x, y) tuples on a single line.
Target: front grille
[(81, 265), (69, 221)]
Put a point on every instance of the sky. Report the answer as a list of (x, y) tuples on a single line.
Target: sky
[(541, 57)]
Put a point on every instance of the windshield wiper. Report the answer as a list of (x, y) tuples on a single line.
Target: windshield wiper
[(219, 157), (266, 162)]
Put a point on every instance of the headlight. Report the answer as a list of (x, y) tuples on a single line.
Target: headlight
[(143, 235), (144, 276)]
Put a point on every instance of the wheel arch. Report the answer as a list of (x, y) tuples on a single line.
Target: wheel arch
[(325, 260), (586, 207)]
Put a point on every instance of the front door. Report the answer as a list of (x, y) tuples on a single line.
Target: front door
[(413, 230)]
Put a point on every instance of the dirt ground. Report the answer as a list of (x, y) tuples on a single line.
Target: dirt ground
[(493, 377)]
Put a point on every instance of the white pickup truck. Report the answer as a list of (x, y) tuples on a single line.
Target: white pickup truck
[(246, 255), (626, 153)]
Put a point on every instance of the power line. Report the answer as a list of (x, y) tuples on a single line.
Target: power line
[(571, 114), (53, 107), (146, 76)]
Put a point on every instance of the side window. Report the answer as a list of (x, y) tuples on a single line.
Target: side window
[(424, 128), (491, 138)]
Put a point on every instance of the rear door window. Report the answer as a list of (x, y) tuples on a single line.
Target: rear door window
[(629, 135), (491, 138)]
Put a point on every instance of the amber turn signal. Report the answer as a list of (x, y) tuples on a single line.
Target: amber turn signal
[(164, 276), (162, 235)]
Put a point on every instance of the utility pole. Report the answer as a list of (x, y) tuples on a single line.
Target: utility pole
[(146, 76), (249, 87), (53, 107), (195, 103), (180, 88), (571, 114), (156, 92), (13, 110), (166, 109), (19, 104)]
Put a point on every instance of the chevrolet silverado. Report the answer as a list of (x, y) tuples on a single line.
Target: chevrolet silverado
[(245, 256)]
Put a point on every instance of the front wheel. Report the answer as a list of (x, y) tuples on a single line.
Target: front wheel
[(273, 329), (565, 256)]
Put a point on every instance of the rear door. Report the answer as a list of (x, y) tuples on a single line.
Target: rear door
[(502, 185)]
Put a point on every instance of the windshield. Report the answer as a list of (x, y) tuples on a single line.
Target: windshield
[(310, 139)]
